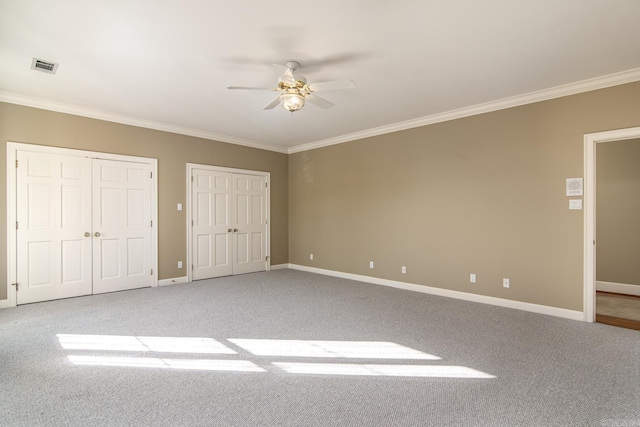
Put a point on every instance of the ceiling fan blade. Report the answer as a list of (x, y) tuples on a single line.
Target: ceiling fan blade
[(249, 88), (273, 104), (316, 100), (334, 85)]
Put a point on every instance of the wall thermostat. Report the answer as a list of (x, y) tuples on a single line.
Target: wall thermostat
[(574, 187)]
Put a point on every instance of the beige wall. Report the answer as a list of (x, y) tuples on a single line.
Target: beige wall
[(617, 208), (483, 195), (34, 126)]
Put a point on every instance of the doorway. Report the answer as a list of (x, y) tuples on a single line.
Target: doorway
[(618, 232), (227, 221), (591, 142), (85, 223)]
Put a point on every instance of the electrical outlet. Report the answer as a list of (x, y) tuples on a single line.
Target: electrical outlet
[(311, 257), (179, 264), (505, 283), (472, 278), (370, 264), (404, 269)]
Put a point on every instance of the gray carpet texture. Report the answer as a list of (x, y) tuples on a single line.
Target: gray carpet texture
[(290, 348)]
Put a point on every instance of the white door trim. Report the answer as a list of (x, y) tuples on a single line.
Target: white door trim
[(590, 141), (266, 175), (12, 149)]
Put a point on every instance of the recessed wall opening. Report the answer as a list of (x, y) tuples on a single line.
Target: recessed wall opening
[(590, 239)]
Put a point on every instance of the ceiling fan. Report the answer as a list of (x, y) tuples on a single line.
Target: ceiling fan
[(295, 91)]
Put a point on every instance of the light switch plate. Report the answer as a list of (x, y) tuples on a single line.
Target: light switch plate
[(575, 204)]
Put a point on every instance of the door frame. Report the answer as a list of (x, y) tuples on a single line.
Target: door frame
[(590, 142), (12, 182), (266, 175)]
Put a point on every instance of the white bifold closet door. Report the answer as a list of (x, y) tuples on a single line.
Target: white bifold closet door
[(121, 226), (83, 226), (54, 218), (228, 233)]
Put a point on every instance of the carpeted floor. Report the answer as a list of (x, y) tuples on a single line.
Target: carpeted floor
[(288, 348)]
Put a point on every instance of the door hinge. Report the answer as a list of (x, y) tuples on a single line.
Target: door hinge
[(192, 223), (191, 178), (16, 225), (16, 285), (266, 221), (150, 174), (191, 266), (151, 223), (152, 271), (266, 258), (266, 184), (16, 163)]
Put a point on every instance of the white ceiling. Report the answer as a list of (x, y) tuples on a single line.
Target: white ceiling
[(165, 64)]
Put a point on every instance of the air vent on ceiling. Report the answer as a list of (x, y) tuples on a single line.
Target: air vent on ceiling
[(44, 66)]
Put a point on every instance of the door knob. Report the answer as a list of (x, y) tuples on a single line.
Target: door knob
[(235, 230), (229, 230), (87, 234), (97, 234)]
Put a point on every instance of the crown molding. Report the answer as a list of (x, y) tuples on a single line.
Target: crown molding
[(616, 79), (602, 82), (43, 104)]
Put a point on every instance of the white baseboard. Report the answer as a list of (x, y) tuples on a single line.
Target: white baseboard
[(500, 302), (5, 303), (175, 280), (280, 267), (618, 288)]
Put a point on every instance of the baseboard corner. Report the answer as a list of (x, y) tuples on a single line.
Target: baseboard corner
[(280, 267)]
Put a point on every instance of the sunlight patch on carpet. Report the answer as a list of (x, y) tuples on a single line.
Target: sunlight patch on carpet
[(437, 371), (133, 343), (261, 349), (344, 349), (164, 363)]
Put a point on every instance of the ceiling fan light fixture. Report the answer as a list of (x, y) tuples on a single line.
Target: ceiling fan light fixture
[(292, 101), (295, 91)]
